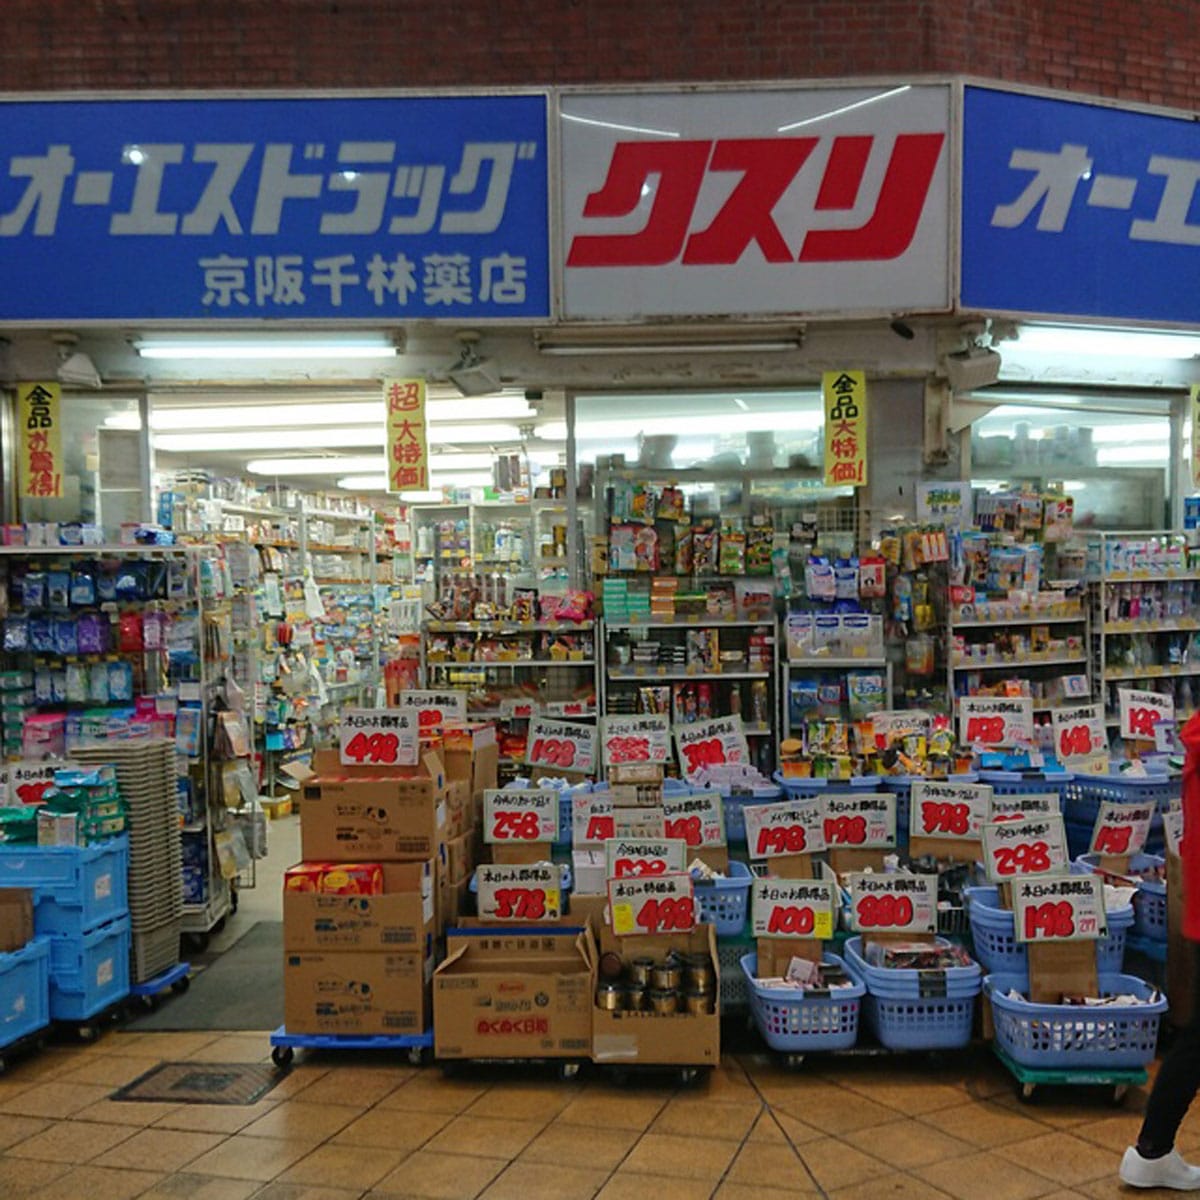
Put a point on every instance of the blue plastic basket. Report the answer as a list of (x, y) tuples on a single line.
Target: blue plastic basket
[(1027, 783), (78, 887), (956, 983), (1087, 792), (1149, 901), (791, 1020), (901, 787), (733, 803), (814, 787), (930, 1024), (1073, 1037), (24, 991), (90, 973), (723, 902)]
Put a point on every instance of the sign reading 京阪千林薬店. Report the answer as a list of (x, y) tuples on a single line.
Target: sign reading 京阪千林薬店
[(407, 435), (845, 397), (39, 440)]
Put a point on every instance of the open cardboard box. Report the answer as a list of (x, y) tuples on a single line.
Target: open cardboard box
[(472, 757)]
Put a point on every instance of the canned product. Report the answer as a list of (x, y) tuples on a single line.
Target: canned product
[(667, 977), (664, 1002), (639, 971), (698, 1004), (610, 997), (635, 997), (698, 973)]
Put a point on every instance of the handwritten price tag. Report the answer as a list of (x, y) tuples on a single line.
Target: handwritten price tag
[(561, 745), (710, 743), (1121, 828), (644, 739), (866, 822), (515, 708), (893, 903), (627, 858), (1017, 808), (1070, 909), (1142, 711), (592, 822), (434, 709), (660, 904), (949, 810), (378, 737), (789, 827), (891, 727), (520, 815), (1079, 733), (995, 720), (526, 893), (27, 782), (699, 819), (1173, 829), (1033, 846), (793, 908)]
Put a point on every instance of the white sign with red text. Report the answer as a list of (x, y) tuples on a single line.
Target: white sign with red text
[(1067, 909), (1033, 846), (1121, 828), (1079, 735), (697, 818), (785, 828), (864, 821), (592, 821), (992, 721), (435, 708), (519, 893), (1014, 808), (796, 908), (561, 745), (639, 739), (378, 737), (520, 815), (1142, 711), (893, 903), (651, 904), (949, 810), (710, 743), (626, 858)]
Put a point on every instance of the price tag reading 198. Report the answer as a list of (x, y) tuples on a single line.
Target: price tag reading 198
[(893, 903), (520, 815), (1121, 829), (592, 821), (1034, 846), (1059, 910), (698, 819), (789, 827), (792, 908), (561, 745), (659, 904), (862, 821)]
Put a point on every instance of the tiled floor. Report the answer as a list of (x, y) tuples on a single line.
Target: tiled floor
[(340, 1128)]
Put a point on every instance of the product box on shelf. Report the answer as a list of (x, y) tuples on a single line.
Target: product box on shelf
[(514, 995), (16, 918)]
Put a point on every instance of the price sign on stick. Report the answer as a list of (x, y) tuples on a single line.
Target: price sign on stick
[(528, 893), (1079, 734), (710, 743), (635, 858), (1142, 711), (698, 819), (644, 739), (516, 708), (786, 828), (654, 904), (378, 737), (993, 721), (434, 709), (1068, 909), (865, 822), (1033, 846), (893, 903), (592, 822), (1015, 808), (793, 908), (948, 810), (561, 745), (520, 815), (1173, 829), (1121, 829)]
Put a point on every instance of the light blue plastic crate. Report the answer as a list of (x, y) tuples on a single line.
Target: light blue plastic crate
[(1149, 901), (1115, 1037), (24, 991), (904, 983), (723, 902), (90, 973), (1027, 783), (934, 1023), (1087, 792), (815, 787), (790, 1020), (78, 886)]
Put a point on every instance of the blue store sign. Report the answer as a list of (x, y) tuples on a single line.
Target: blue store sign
[(1074, 209), (405, 208)]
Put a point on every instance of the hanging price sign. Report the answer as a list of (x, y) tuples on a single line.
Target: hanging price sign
[(635, 858), (949, 810), (710, 744), (1173, 829), (864, 822), (789, 827), (644, 739), (893, 903), (793, 908), (1033, 846), (995, 721), (1142, 711), (1121, 829), (1069, 909), (1079, 734), (434, 709), (561, 745), (1016, 808), (658, 904), (698, 819), (377, 737), (592, 822), (520, 815), (526, 893), (516, 708)]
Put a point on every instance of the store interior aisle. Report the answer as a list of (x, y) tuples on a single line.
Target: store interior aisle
[(345, 1128)]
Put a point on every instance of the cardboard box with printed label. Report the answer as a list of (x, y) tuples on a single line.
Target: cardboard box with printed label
[(458, 808), (514, 995), (16, 918), (356, 992)]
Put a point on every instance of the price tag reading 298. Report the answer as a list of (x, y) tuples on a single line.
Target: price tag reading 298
[(789, 827), (1035, 846)]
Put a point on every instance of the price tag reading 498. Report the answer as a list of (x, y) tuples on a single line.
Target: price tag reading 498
[(377, 737), (658, 904), (789, 827), (1036, 846)]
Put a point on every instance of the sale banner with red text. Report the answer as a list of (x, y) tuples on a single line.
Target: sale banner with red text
[(592, 822), (860, 821), (1121, 829), (435, 708), (1033, 846), (785, 828), (378, 737), (525, 893), (1142, 711), (949, 810), (893, 903), (1066, 909), (637, 739), (651, 904), (520, 815), (710, 744), (561, 745), (793, 908)]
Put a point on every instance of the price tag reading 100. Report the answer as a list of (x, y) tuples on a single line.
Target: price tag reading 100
[(792, 908)]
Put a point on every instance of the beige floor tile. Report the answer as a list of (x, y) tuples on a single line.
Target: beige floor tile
[(1064, 1195), (297, 1080), (71, 1141), (1111, 1188), (1003, 1180), (700, 1117), (545, 1181), (353, 1167), (838, 1111), (759, 1165), (432, 1093), (167, 1047), (797, 1132), (54, 1099), (984, 1124), (681, 1157), (1114, 1133), (165, 1149), (1059, 1113), (17, 1129), (434, 1176), (138, 1113), (21, 1177), (907, 1144), (597, 1149), (114, 1070), (357, 1086), (631, 1185), (907, 1094), (392, 1128), (214, 1118), (835, 1164), (612, 1110), (1065, 1159), (890, 1187), (90, 1182), (242, 1157), (47, 1065), (524, 1102), (234, 1048), (313, 1123), (201, 1187), (749, 1191), (486, 1137), (766, 1130), (304, 1191)]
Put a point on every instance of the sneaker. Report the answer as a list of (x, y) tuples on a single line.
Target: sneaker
[(1170, 1171)]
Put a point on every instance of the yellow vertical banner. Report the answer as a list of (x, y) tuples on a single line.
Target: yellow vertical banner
[(1195, 415), (845, 395), (39, 440), (407, 435)]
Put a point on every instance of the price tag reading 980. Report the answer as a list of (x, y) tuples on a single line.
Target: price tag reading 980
[(520, 815), (377, 737), (789, 827), (659, 904), (1034, 846), (698, 819), (1121, 829), (860, 821), (519, 893), (792, 908), (948, 810), (1068, 909), (893, 903)]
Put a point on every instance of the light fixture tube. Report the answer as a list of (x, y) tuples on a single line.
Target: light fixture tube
[(241, 348), (1112, 343)]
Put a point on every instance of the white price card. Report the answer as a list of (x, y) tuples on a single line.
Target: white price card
[(1066, 909), (1079, 734), (992, 721), (520, 815), (699, 819), (1121, 829), (626, 858), (864, 821), (378, 737), (561, 745), (567, 708), (785, 828), (27, 781), (592, 821), (893, 903), (638, 739), (1173, 829), (1142, 711), (710, 744), (894, 726), (1016, 808), (793, 908), (957, 811), (435, 708), (1033, 846), (652, 904), (518, 708), (519, 893)]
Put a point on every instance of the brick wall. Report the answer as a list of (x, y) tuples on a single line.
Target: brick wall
[(1148, 51)]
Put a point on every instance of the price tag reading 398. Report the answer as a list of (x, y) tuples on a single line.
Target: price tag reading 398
[(948, 810), (1034, 846), (789, 827)]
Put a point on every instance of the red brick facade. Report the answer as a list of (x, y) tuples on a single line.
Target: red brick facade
[(1136, 51)]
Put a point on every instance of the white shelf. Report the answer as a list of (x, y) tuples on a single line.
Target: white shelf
[(99, 551), (502, 626), (833, 664), (665, 673), (1116, 675), (1183, 625), (690, 623), (1146, 576), (1002, 622), (1022, 663), (520, 662)]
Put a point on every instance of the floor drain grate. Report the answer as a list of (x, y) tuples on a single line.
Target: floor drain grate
[(201, 1083)]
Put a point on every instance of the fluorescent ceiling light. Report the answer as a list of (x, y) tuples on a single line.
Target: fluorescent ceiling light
[(463, 479), (1131, 456), (1111, 343), (364, 483), (800, 420), (378, 483), (264, 441), (429, 497), (315, 466), (268, 348), (734, 346)]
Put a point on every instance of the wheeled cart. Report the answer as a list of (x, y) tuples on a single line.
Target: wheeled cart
[(149, 992), (284, 1045), (1029, 1079)]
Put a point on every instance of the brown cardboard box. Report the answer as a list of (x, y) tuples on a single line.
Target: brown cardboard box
[(642, 1037), (356, 992), (16, 918), (460, 856), (367, 814), (401, 919), (473, 756), (514, 995), (458, 807)]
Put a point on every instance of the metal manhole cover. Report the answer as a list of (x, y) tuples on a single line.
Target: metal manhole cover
[(201, 1083)]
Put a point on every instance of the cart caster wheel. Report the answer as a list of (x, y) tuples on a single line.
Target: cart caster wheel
[(87, 1033), (568, 1071), (282, 1056), (415, 1055), (793, 1061), (688, 1076), (148, 1003), (1026, 1092), (219, 926), (1118, 1095), (181, 985)]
